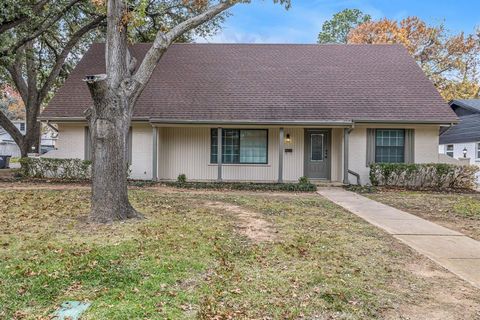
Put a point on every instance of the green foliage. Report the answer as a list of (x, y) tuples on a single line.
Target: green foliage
[(361, 189), (182, 178), (148, 17), (468, 207), (336, 29), (294, 187), (303, 180), (47, 168), (438, 176)]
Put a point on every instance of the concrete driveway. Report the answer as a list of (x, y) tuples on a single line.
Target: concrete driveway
[(450, 249)]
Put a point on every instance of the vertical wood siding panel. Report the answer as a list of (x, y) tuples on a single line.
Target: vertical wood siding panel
[(293, 161), (186, 150), (70, 143), (337, 154), (141, 167)]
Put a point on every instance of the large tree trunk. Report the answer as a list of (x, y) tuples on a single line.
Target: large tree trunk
[(109, 123), (114, 95)]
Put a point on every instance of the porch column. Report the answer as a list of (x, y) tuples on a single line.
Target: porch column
[(154, 153), (346, 133), (219, 153), (281, 151)]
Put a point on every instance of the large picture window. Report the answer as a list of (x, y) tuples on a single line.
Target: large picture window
[(247, 146), (389, 145)]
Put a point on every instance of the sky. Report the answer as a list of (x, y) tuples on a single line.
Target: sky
[(266, 22)]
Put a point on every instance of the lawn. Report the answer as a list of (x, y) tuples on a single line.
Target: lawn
[(213, 255), (457, 211)]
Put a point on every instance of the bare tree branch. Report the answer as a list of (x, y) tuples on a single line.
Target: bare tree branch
[(163, 41), (15, 71), (64, 54), (12, 130)]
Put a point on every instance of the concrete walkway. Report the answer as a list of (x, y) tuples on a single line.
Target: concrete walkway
[(450, 249)]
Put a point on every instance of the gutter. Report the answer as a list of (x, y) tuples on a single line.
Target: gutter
[(266, 122), (448, 123), (252, 122)]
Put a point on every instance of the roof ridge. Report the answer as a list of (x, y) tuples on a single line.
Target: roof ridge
[(274, 44)]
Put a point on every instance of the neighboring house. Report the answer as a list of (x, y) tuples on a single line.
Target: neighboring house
[(462, 141), (10, 148), (283, 111)]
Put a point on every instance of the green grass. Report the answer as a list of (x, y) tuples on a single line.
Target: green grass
[(187, 260), (468, 207)]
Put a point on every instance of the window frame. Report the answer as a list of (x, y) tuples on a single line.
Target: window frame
[(323, 147), (239, 146), (450, 151), (376, 146), (477, 150), (22, 126)]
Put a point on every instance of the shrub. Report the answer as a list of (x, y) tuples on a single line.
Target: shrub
[(303, 180), (66, 169), (294, 187), (439, 176), (182, 178)]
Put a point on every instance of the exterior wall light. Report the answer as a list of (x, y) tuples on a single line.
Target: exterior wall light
[(287, 138), (465, 152)]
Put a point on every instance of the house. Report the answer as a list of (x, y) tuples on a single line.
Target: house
[(282, 111), (9, 147), (462, 141)]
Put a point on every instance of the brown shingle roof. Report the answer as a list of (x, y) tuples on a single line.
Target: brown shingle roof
[(262, 83)]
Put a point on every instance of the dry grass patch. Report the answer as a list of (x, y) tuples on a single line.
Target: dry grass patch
[(457, 211)]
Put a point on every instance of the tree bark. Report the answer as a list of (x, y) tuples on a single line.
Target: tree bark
[(109, 123)]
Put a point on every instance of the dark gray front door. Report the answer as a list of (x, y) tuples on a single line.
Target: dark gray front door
[(317, 153)]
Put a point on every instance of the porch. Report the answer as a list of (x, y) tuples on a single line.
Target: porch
[(249, 153)]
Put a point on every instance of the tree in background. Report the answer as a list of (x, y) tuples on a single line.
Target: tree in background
[(39, 43), (336, 29), (11, 103), (450, 61)]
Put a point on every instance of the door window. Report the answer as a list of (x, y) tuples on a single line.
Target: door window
[(316, 147)]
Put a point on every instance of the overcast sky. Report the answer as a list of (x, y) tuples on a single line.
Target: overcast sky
[(265, 22)]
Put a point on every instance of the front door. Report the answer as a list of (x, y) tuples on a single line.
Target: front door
[(317, 153)]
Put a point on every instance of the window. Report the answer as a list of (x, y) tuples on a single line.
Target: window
[(478, 150), (240, 146), (389, 146), (316, 142), (22, 126), (449, 151)]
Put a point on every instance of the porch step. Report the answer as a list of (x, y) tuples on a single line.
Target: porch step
[(326, 183)]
